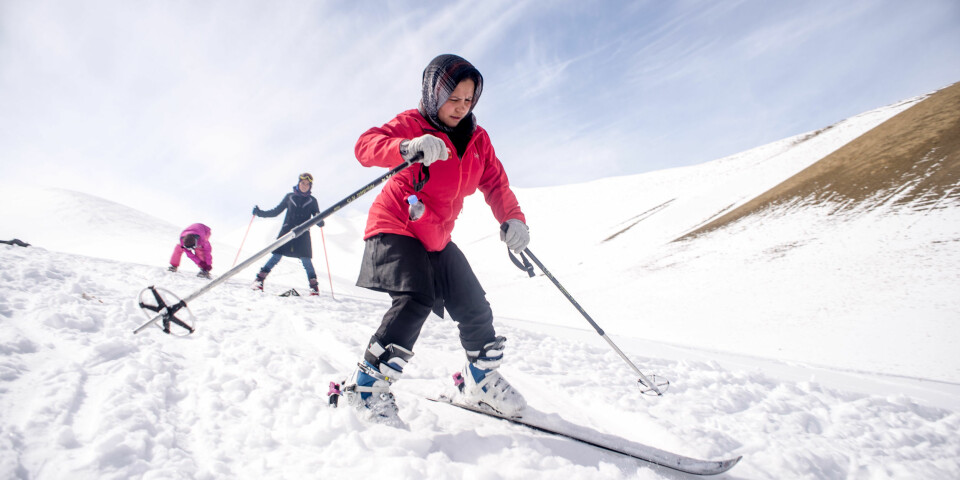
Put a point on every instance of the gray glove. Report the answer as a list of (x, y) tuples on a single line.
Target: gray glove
[(433, 149), (517, 235)]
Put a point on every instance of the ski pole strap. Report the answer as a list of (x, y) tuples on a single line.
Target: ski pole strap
[(526, 266), (422, 178)]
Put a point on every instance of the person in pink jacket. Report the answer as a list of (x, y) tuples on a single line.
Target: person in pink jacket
[(408, 249), (195, 242)]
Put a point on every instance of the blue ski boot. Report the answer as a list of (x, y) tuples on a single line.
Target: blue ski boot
[(368, 389)]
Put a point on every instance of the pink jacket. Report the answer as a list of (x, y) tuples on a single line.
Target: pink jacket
[(450, 181), (204, 252)]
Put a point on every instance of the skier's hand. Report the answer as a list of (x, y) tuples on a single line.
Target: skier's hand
[(256, 210), (516, 235), (433, 149)]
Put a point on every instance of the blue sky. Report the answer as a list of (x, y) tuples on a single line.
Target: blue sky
[(211, 107)]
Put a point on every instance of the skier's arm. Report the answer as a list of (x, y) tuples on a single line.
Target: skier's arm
[(198, 259), (205, 254), (380, 146), (316, 211), (496, 187), (276, 210)]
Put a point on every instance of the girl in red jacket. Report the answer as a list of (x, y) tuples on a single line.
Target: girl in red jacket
[(408, 252)]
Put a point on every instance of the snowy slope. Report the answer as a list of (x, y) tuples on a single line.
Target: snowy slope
[(82, 397), (804, 346)]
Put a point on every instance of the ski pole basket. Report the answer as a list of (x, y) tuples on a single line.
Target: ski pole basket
[(177, 319)]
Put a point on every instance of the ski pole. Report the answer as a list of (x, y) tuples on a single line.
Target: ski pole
[(327, 259), (242, 241), (525, 266), (296, 232)]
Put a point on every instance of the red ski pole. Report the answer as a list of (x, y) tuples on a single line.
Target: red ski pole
[(330, 277), (242, 241)]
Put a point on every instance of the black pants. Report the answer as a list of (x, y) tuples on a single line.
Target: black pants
[(418, 282)]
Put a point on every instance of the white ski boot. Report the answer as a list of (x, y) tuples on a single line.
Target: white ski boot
[(368, 388), (482, 385)]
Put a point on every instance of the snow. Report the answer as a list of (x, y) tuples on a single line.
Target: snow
[(815, 345)]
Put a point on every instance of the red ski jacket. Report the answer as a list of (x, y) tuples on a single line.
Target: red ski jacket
[(450, 181)]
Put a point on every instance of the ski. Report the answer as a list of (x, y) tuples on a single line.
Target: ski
[(554, 425)]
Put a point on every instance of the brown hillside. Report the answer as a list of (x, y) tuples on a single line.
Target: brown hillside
[(914, 157)]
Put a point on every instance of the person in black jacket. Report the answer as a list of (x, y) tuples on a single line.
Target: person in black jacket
[(300, 206)]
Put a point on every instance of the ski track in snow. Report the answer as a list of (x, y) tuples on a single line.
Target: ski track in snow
[(245, 397)]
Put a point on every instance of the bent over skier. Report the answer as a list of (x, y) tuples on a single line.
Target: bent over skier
[(195, 242), (408, 249)]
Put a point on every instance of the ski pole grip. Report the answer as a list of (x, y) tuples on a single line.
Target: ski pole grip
[(415, 158)]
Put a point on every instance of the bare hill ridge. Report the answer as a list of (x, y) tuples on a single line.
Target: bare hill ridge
[(911, 160)]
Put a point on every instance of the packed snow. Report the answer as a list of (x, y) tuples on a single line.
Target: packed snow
[(813, 345)]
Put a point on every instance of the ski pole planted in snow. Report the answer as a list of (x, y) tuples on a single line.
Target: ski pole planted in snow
[(325, 257), (648, 385), (167, 314), (243, 241)]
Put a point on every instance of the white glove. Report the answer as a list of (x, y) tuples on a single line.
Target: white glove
[(433, 149), (517, 235)]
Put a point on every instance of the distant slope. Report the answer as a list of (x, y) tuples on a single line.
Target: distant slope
[(69, 221), (911, 160)]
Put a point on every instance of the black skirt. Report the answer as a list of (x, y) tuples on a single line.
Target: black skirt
[(400, 264)]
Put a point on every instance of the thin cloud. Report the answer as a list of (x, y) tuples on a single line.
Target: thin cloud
[(224, 103)]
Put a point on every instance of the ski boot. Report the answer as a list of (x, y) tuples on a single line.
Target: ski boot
[(314, 287), (481, 385), (171, 268), (204, 274), (258, 282), (368, 388)]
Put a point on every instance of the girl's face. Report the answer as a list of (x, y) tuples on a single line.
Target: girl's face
[(304, 186), (458, 105)]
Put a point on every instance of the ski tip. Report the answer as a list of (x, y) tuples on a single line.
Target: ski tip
[(721, 466)]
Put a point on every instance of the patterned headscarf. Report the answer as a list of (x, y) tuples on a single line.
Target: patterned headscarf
[(440, 78)]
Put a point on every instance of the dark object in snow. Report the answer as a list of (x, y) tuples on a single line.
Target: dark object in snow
[(15, 241), (290, 293)]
